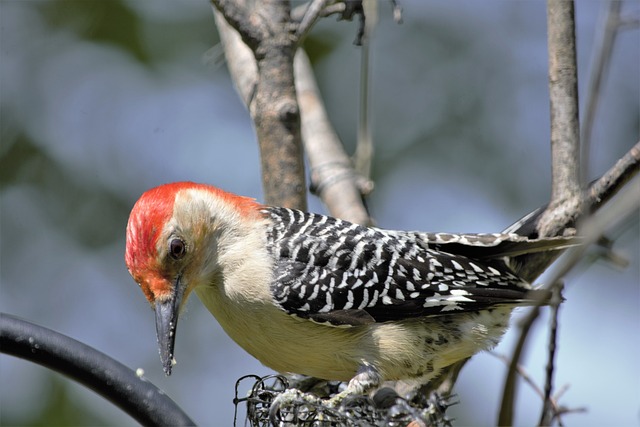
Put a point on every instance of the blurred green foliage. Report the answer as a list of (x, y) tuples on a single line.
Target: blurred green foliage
[(110, 22), (60, 408)]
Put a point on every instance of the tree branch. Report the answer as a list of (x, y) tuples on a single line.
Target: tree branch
[(332, 174), (271, 99), (565, 140), (333, 178), (601, 60), (608, 185), (237, 15), (312, 13), (599, 192), (593, 228), (548, 407), (568, 201)]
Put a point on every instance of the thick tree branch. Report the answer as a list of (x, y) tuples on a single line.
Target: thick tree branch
[(565, 140), (251, 30), (271, 98), (332, 174)]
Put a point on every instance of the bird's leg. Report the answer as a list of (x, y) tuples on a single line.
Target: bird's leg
[(366, 379)]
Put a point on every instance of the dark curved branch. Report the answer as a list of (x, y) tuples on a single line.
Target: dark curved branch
[(109, 378)]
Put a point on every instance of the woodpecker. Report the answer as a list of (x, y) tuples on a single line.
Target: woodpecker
[(315, 295)]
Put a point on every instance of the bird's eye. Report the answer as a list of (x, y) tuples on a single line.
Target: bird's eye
[(177, 248)]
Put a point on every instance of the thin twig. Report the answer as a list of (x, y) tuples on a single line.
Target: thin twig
[(311, 14), (548, 407), (557, 409), (608, 185), (593, 228), (522, 372), (506, 415), (332, 175), (629, 22), (364, 149), (601, 60)]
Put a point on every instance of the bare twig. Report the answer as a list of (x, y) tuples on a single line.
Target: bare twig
[(629, 21), (505, 416), (608, 185), (522, 372), (311, 14), (601, 59), (557, 410), (563, 94), (364, 149), (598, 193), (549, 406), (237, 15), (332, 174), (592, 229)]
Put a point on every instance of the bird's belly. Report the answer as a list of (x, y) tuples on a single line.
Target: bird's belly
[(412, 349)]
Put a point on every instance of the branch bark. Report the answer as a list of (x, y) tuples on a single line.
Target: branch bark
[(267, 31), (568, 201), (255, 72), (608, 185), (331, 171), (593, 228), (565, 138)]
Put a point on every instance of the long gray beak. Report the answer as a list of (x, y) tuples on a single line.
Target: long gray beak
[(166, 322)]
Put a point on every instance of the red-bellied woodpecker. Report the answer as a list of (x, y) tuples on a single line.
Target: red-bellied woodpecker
[(314, 295)]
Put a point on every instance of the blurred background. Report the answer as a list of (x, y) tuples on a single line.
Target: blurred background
[(101, 100)]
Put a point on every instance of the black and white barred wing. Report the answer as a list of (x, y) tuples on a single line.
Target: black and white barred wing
[(340, 273)]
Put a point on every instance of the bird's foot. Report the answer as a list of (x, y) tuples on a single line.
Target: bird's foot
[(366, 379)]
